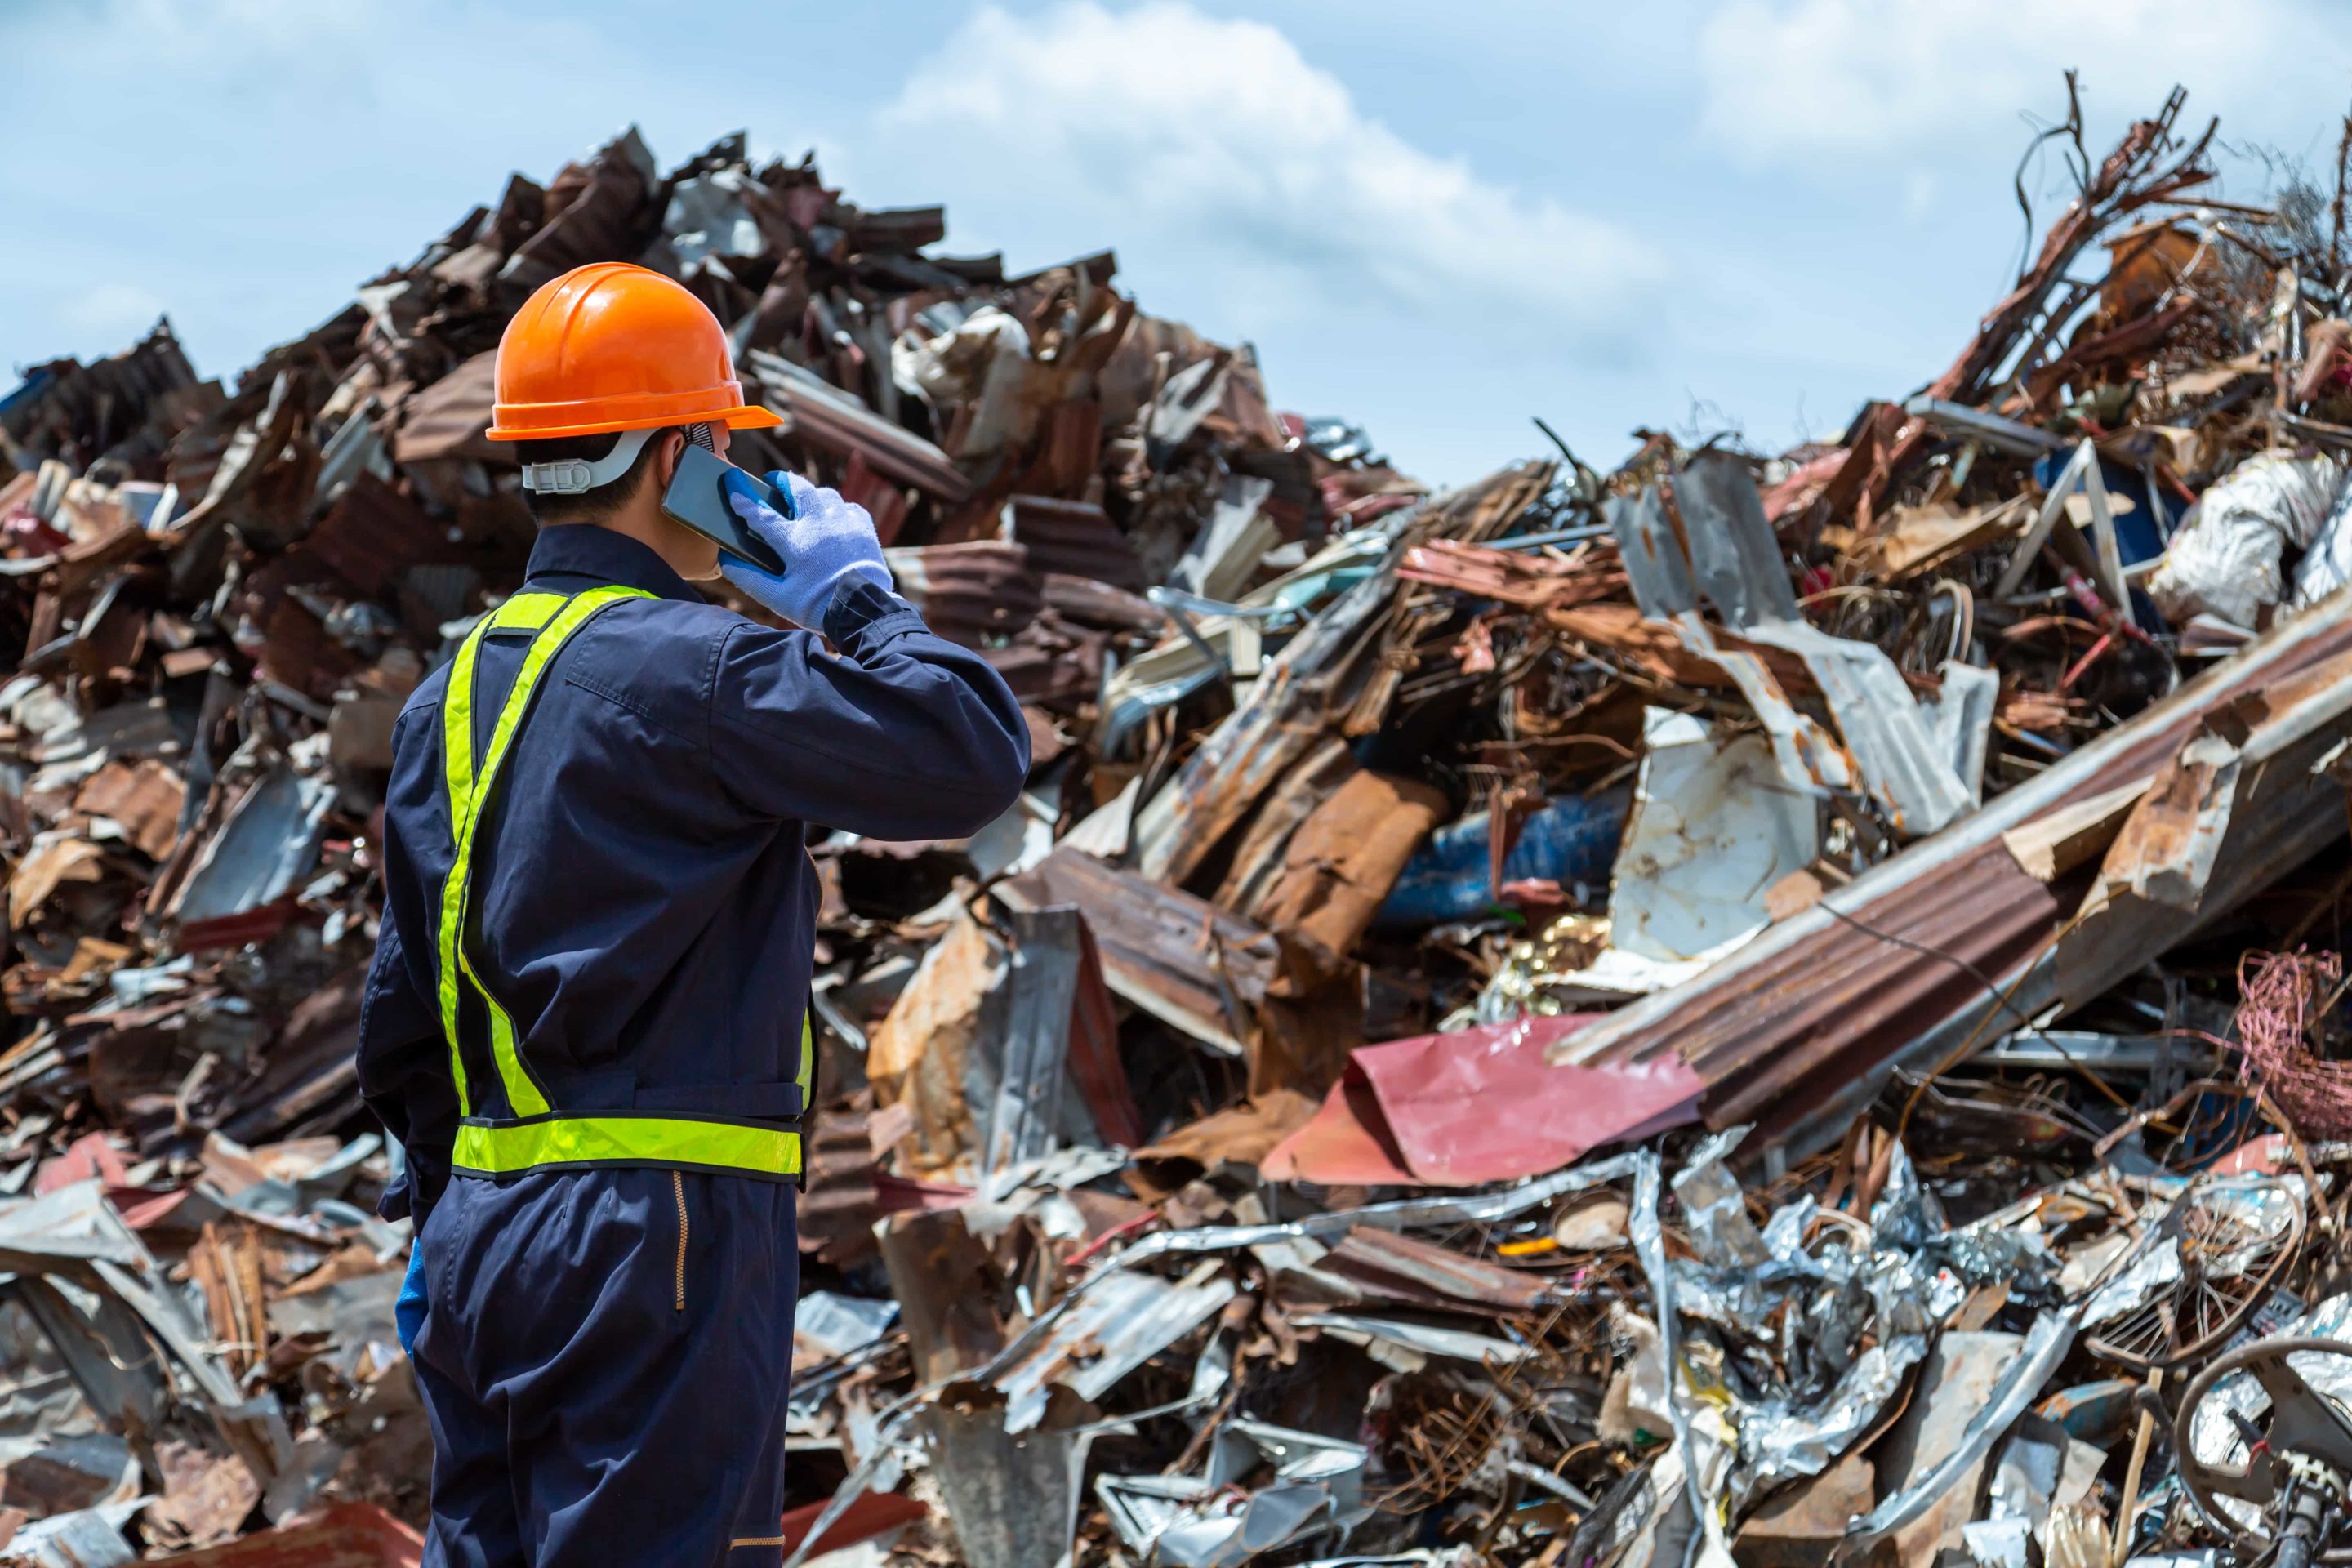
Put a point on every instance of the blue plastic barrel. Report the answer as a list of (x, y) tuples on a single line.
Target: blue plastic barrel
[(1571, 840)]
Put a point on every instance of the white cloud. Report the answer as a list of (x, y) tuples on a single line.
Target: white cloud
[(120, 308), (257, 159), (1791, 80), (1214, 143)]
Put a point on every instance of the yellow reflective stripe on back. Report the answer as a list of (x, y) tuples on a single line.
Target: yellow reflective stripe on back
[(525, 611), (555, 619), (457, 779), (505, 1149)]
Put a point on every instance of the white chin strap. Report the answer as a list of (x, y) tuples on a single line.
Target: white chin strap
[(573, 477)]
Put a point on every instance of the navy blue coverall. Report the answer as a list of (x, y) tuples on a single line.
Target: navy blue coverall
[(607, 1340)]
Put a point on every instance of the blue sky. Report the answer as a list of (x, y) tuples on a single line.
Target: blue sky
[(1435, 220)]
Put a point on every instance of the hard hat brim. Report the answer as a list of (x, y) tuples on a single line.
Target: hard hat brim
[(604, 416)]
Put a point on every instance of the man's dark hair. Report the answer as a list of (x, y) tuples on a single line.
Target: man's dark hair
[(589, 505)]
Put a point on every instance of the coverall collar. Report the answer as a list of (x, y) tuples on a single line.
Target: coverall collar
[(584, 549)]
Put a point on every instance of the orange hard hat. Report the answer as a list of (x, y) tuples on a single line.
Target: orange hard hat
[(613, 347)]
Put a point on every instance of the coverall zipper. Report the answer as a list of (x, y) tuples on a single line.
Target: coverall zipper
[(678, 1186)]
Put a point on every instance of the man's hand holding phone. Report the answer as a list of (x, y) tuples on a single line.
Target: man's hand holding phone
[(825, 542)]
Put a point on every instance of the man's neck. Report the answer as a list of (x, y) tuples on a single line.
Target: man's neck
[(657, 534)]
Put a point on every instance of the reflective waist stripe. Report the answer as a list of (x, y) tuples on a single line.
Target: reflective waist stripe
[(537, 1135), (504, 1148)]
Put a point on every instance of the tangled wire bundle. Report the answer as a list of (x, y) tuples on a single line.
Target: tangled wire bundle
[(2280, 997)]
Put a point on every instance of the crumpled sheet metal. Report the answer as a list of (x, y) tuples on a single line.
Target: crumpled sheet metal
[(1012, 1500), (1889, 1284), (87, 1278), (2046, 1344), (1487, 1207), (85, 1538), (1119, 1326), (1405, 1344), (1894, 1282), (1249, 751), (1796, 1028), (1202, 1521), (837, 1325), (1780, 1442), (1715, 1209), (1400, 1214), (1734, 561), (269, 839), (1713, 827), (1703, 1444), (2228, 557)]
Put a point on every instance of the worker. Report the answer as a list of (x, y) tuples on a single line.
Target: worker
[(587, 1022)]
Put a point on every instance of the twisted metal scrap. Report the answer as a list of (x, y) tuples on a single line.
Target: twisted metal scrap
[(2280, 1005)]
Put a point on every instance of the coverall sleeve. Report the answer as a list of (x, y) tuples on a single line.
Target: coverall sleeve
[(900, 735), (403, 1060)]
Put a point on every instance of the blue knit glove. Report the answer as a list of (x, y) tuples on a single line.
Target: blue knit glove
[(408, 1311), (825, 542)]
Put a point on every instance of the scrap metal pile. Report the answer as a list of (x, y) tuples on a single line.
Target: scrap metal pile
[(1755, 1009)]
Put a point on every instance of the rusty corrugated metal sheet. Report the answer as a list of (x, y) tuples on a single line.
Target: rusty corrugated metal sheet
[(1091, 604), (1433, 1276), (1051, 672), (837, 1212), (1806, 1019), (972, 593), (832, 420), (1078, 539), (1292, 1009), (2250, 798), (448, 418), (145, 797), (1179, 959), (374, 533)]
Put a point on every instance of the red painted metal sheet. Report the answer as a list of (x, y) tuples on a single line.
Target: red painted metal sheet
[(872, 1515), (1095, 1065), (1482, 1105), (353, 1535), (1346, 1143)]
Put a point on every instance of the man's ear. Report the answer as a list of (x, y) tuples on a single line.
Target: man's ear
[(665, 461)]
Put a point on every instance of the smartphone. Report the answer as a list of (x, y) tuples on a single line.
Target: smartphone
[(697, 498)]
